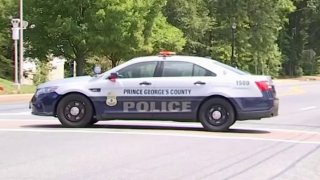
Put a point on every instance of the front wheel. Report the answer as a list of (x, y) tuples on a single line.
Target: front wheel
[(75, 111), (93, 121), (216, 114)]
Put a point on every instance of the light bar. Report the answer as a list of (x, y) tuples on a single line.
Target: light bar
[(167, 53)]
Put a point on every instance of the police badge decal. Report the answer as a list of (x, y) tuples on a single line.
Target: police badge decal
[(111, 99)]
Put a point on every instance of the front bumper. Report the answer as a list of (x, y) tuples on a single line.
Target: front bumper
[(274, 111), (44, 104)]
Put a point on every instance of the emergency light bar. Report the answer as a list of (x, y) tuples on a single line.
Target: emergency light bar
[(167, 53)]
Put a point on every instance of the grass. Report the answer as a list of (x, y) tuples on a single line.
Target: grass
[(6, 87)]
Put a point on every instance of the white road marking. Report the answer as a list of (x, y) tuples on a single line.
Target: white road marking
[(26, 120), (212, 136), (16, 113), (308, 108)]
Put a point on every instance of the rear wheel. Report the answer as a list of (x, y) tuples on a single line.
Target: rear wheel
[(75, 111), (216, 114)]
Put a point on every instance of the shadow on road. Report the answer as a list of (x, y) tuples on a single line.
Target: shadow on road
[(248, 131), (150, 127)]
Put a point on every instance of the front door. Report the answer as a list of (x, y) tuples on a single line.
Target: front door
[(128, 96)]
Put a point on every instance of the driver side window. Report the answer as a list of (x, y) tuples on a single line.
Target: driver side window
[(138, 70)]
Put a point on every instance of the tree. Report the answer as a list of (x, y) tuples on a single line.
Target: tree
[(294, 38), (194, 19), (207, 28), (62, 28), (312, 51), (6, 49), (128, 28), (165, 36), (258, 25), (79, 29)]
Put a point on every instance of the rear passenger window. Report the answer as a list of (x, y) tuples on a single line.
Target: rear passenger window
[(177, 69), (184, 69), (200, 71)]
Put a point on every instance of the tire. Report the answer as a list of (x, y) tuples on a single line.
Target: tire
[(75, 111), (93, 121), (217, 114)]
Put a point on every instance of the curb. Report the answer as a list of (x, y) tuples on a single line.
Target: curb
[(15, 98), (286, 81)]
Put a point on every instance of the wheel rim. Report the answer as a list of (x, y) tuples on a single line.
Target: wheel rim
[(217, 115), (74, 111)]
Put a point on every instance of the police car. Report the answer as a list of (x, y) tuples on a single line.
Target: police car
[(164, 87)]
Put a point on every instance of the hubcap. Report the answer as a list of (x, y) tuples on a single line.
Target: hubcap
[(216, 115), (74, 111)]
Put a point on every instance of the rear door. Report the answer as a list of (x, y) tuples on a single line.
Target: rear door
[(185, 85)]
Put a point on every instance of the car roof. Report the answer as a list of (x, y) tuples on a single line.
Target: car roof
[(192, 59), (174, 57), (213, 65)]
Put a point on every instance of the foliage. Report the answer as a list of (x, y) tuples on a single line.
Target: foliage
[(207, 27), (294, 39), (79, 29), (165, 36), (62, 28), (128, 28), (257, 28), (5, 39), (103, 62), (271, 36), (41, 75), (194, 19)]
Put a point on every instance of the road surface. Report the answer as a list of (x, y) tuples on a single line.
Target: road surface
[(283, 147)]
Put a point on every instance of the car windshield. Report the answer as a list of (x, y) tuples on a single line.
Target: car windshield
[(235, 70)]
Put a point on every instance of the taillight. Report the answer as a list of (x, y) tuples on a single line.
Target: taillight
[(263, 85)]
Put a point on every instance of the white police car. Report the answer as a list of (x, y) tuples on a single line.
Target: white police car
[(164, 87)]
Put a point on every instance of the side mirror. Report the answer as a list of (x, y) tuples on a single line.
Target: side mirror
[(113, 76)]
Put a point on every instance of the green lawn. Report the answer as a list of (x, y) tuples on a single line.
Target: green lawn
[(6, 87)]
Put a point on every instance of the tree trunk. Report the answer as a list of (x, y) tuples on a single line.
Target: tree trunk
[(113, 63), (114, 60), (80, 66)]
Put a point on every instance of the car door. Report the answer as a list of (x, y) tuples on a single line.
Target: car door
[(126, 96), (186, 85)]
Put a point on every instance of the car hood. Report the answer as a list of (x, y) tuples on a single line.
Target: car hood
[(67, 81)]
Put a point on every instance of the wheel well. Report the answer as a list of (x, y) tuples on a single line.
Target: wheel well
[(217, 96), (56, 106)]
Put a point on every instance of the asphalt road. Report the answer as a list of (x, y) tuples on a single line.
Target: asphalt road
[(283, 147)]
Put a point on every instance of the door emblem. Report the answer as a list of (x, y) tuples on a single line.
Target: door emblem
[(111, 99)]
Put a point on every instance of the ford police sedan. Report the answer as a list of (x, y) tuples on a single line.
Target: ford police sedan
[(164, 87)]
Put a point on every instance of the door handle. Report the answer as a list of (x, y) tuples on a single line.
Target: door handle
[(199, 83), (95, 89), (145, 83)]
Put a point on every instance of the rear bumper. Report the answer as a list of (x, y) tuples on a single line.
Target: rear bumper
[(250, 115)]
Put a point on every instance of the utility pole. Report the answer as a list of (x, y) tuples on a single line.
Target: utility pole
[(233, 30), (21, 42)]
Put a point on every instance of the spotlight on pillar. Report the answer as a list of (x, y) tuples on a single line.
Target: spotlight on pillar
[(15, 36)]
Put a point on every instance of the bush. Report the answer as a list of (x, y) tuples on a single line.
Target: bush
[(41, 74)]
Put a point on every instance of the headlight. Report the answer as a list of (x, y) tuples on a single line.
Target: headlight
[(46, 90)]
